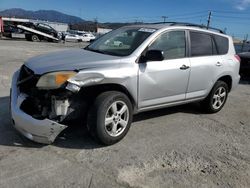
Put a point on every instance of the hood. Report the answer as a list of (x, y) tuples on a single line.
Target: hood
[(74, 59)]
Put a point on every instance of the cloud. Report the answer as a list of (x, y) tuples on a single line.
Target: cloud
[(243, 4)]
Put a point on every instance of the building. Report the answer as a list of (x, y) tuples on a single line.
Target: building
[(102, 31), (1, 25)]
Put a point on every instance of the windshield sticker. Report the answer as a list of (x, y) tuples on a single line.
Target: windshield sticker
[(147, 30)]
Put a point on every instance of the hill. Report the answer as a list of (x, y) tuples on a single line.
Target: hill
[(47, 15)]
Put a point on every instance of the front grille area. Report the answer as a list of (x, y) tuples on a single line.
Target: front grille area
[(41, 103), (27, 80)]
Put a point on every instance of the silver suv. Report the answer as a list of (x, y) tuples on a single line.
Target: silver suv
[(127, 71)]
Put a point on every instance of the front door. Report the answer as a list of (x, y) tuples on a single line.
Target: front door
[(166, 81)]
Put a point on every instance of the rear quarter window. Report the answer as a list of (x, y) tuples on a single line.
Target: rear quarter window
[(222, 44)]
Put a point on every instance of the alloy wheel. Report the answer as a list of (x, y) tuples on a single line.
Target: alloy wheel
[(116, 118), (219, 97)]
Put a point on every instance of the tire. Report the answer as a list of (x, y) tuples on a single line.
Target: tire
[(217, 98), (35, 38), (115, 109)]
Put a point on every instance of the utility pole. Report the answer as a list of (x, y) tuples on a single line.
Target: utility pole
[(246, 37), (209, 19), (96, 24), (244, 41), (164, 18), (225, 30)]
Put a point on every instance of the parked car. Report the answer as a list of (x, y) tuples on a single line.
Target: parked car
[(73, 38), (243, 51), (163, 65), (43, 28), (114, 43), (245, 64), (87, 37)]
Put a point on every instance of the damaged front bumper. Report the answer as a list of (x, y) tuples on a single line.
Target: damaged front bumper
[(42, 131)]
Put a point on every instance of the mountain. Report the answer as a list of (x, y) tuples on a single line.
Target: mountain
[(47, 15), (74, 22)]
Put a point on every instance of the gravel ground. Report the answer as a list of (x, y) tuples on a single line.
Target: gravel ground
[(174, 147)]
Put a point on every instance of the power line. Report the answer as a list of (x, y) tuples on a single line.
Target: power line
[(187, 14), (234, 22), (197, 16), (182, 15), (232, 17), (231, 12)]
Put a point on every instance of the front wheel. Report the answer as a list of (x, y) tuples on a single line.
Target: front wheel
[(110, 117), (216, 98)]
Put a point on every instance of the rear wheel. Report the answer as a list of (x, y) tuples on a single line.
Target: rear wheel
[(217, 97), (110, 117), (35, 38)]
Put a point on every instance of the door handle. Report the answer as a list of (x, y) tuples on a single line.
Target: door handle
[(218, 64), (184, 67)]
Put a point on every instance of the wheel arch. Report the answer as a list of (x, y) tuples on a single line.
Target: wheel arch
[(228, 80), (95, 90)]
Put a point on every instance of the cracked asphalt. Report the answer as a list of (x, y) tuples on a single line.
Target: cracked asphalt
[(174, 147)]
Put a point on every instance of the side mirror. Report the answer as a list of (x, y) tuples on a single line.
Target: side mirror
[(154, 55)]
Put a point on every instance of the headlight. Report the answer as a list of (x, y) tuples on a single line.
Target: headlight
[(54, 80)]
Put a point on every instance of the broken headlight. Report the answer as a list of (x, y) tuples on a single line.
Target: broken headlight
[(54, 80)]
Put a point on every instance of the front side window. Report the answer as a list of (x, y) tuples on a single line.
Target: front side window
[(172, 44), (201, 44), (121, 42)]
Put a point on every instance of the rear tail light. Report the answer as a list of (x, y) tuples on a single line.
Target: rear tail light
[(237, 58)]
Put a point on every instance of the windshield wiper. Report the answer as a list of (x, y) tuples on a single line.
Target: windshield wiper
[(102, 52), (95, 50)]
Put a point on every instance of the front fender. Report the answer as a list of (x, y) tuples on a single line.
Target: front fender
[(125, 76)]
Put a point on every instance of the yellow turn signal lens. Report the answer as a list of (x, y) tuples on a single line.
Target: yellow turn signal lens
[(54, 80), (61, 78)]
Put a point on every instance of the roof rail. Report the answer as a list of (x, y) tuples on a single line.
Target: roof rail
[(191, 25)]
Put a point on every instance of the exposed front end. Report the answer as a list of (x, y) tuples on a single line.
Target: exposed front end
[(40, 115)]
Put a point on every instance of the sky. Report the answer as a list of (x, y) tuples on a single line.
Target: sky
[(231, 15)]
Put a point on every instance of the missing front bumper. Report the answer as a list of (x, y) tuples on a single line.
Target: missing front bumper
[(42, 131)]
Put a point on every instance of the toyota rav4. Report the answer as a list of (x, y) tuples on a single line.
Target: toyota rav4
[(103, 85)]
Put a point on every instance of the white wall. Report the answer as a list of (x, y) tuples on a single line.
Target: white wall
[(103, 30)]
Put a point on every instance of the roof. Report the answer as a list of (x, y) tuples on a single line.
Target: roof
[(161, 25), (152, 26)]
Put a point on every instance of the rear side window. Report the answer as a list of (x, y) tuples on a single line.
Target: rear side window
[(201, 44), (222, 44)]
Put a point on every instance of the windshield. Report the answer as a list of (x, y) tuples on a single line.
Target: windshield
[(121, 42)]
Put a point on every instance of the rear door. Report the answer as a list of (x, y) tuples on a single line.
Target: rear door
[(205, 64)]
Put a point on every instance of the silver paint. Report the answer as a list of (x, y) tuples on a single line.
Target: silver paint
[(152, 85)]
